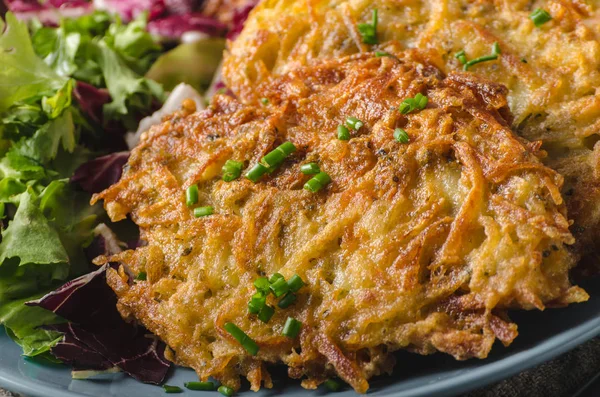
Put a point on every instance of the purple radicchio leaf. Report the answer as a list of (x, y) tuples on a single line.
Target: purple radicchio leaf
[(239, 18), (172, 27), (96, 337), (130, 9), (182, 6), (91, 100), (49, 13), (100, 173)]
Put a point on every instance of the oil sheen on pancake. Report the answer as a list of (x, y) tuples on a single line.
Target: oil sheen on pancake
[(552, 71), (421, 245)]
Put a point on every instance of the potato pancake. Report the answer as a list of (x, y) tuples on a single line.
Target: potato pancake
[(552, 71), (436, 221)]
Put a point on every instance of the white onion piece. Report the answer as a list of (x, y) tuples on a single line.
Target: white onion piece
[(178, 95)]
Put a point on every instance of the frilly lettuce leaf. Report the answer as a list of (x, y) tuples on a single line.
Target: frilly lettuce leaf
[(22, 73), (30, 239)]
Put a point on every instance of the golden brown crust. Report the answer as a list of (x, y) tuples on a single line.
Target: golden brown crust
[(420, 246), (552, 72)]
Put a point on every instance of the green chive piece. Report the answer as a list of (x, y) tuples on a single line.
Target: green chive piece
[(287, 301), (226, 391), (203, 211), (239, 335), (291, 329), (142, 276), (264, 101), (204, 386), (172, 389), (353, 123), (257, 302), (421, 101), (368, 31), (266, 313), (262, 284), (493, 56), (295, 283), (333, 385), (275, 277), (461, 56), (280, 287), (411, 104), (380, 54), (540, 17), (475, 61), (496, 48), (310, 169), (191, 195), (317, 182), (232, 170), (256, 172), (275, 157), (343, 134), (2, 210), (523, 60), (401, 136)]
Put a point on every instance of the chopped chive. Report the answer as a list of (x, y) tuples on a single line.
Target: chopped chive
[(264, 101), (239, 335), (493, 56), (204, 386), (203, 211), (333, 385), (172, 389), (401, 136), (295, 283), (343, 134), (232, 170), (540, 17), (523, 60), (368, 31), (226, 391), (275, 277), (257, 302), (353, 123), (380, 54), (421, 101), (461, 56), (310, 169), (280, 287), (191, 195), (475, 61), (287, 301), (142, 276), (266, 313), (291, 329), (411, 104), (317, 182), (275, 157), (256, 172), (262, 284), (496, 48)]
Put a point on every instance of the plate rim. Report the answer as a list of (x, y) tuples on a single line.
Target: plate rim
[(475, 378)]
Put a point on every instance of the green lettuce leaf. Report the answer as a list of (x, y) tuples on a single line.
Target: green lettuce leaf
[(22, 73), (23, 323), (30, 239), (130, 92)]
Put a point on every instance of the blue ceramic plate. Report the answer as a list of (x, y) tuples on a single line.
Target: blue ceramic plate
[(542, 336)]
